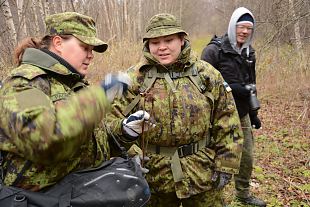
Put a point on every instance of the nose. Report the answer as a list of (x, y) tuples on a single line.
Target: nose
[(162, 46), (90, 54)]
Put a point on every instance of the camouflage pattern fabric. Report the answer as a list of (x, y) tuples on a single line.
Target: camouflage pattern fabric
[(78, 25), (181, 118), (212, 198), (162, 25), (48, 123), (243, 178)]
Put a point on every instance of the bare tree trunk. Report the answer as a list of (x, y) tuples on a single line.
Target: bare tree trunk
[(9, 21), (296, 26), (126, 27), (117, 19), (107, 18), (22, 30), (63, 5), (41, 12), (46, 8), (36, 20), (73, 5), (139, 19), (181, 9)]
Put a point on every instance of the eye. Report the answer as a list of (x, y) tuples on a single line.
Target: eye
[(154, 42), (169, 39), (87, 48)]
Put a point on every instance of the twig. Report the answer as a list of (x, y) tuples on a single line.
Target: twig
[(297, 187)]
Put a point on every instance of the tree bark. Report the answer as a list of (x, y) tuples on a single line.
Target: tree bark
[(296, 27), (36, 20), (22, 30), (9, 22)]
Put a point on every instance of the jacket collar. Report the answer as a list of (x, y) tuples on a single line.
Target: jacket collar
[(227, 48), (48, 61), (185, 59)]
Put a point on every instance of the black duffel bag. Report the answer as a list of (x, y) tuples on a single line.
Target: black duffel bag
[(118, 182)]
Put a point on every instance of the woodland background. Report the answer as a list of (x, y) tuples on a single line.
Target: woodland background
[(282, 37)]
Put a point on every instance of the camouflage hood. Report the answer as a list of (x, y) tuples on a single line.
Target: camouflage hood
[(47, 62), (185, 58), (80, 26)]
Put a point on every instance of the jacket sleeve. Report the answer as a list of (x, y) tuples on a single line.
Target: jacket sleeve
[(45, 132), (226, 132), (115, 118), (210, 54)]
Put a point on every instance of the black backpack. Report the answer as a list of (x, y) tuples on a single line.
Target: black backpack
[(216, 40), (118, 182)]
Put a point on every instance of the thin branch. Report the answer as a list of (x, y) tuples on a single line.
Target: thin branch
[(2, 3)]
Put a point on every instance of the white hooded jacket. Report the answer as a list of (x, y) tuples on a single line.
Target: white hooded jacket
[(232, 30)]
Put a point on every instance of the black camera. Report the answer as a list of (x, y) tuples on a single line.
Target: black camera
[(254, 103)]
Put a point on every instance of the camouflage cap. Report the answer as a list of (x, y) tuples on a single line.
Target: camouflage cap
[(80, 26), (162, 25)]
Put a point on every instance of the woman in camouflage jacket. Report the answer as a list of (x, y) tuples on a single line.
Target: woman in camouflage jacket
[(196, 144), (49, 119)]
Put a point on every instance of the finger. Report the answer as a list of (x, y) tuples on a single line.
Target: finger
[(144, 158), (144, 170)]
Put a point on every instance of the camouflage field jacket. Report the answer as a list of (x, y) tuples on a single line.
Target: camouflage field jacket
[(50, 119), (182, 117)]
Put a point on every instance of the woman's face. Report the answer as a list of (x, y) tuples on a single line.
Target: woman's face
[(75, 52), (243, 32), (166, 49)]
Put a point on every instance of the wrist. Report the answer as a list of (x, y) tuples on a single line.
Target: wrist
[(129, 134)]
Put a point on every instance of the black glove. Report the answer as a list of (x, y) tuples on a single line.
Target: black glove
[(220, 179), (255, 122), (115, 85), (239, 90)]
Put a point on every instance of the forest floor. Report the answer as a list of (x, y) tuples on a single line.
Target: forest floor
[(281, 175)]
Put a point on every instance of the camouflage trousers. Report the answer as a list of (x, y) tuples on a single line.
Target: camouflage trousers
[(242, 180), (212, 198)]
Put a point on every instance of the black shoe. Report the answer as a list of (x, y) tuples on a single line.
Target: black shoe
[(251, 200)]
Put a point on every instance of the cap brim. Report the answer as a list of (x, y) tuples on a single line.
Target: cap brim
[(99, 45), (162, 32)]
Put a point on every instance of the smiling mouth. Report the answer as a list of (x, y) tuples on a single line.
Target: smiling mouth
[(164, 55)]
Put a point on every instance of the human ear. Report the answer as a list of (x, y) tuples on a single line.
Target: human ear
[(57, 44), (182, 40)]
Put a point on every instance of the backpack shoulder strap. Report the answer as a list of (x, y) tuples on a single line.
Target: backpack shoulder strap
[(197, 80), (216, 41), (152, 75), (149, 80)]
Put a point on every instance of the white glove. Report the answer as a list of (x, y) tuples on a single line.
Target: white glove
[(115, 85), (133, 125), (138, 159)]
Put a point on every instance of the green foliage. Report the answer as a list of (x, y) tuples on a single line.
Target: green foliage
[(261, 138), (199, 43), (306, 173), (305, 187), (274, 202), (298, 204)]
